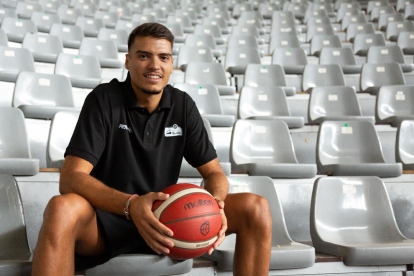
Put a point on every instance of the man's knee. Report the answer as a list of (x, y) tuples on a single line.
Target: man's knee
[(256, 212)]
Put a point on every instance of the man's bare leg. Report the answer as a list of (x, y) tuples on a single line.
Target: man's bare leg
[(248, 216), (68, 220)]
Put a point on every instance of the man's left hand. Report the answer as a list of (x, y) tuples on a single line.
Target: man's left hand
[(222, 232)]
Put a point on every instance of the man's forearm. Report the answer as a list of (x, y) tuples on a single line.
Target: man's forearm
[(217, 185)]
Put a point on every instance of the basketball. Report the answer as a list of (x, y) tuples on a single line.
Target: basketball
[(194, 217)]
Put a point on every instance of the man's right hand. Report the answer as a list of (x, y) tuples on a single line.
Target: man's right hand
[(148, 225)]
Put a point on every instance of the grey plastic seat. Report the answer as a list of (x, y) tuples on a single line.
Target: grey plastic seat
[(105, 50), (321, 76), (335, 104), (344, 57), (248, 30), (69, 15), (238, 58), (220, 22), (40, 96), (362, 42), (187, 54), (15, 157), (3, 38), (208, 103), (373, 76), (279, 40), (352, 19), (184, 20), (7, 12), (43, 48), (13, 61), (318, 20), (395, 104), (267, 103), (293, 60), (210, 29), (267, 9), (321, 41), (299, 10), (104, 5), (206, 40), (88, 9), (242, 41), (401, 4), (49, 6), (267, 76), (346, 4), (44, 21), (89, 26), (377, 3), (317, 13), (120, 37), (385, 54), (250, 137), (208, 73), (409, 12), (351, 216), (15, 29), (406, 42), (14, 247), (143, 18), (241, 7), (285, 253), (127, 25), (358, 28), (70, 35), (109, 18), (347, 12), (318, 30), (159, 14), (61, 130), (378, 11), (389, 17), (177, 30), (123, 12), (83, 71), (395, 28), (352, 148), (25, 10), (404, 151)]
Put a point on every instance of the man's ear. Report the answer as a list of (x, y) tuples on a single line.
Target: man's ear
[(126, 61)]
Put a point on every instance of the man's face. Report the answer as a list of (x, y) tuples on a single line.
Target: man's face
[(150, 64)]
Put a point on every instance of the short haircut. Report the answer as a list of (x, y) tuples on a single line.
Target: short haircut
[(153, 30)]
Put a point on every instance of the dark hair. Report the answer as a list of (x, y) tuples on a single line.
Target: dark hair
[(151, 29)]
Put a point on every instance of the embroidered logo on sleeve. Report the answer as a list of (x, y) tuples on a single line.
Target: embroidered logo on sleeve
[(173, 131), (121, 126)]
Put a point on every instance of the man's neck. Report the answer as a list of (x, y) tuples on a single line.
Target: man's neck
[(148, 101)]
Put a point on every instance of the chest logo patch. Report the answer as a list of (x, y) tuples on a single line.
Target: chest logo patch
[(175, 130), (121, 126)]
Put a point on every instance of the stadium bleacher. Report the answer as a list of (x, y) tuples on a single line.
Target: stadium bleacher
[(309, 103)]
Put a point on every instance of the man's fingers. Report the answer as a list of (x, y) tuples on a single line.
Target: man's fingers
[(159, 196), (160, 227)]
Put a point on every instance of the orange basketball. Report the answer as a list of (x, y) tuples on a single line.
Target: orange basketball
[(194, 217)]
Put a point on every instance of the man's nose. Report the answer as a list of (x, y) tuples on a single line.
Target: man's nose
[(155, 63)]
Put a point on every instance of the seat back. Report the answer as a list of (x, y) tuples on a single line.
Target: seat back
[(377, 75), (318, 20), (42, 44), (406, 42), (395, 28), (202, 40), (246, 30), (102, 49), (89, 25), (109, 18), (215, 31), (321, 41), (279, 40), (88, 9), (184, 20), (261, 141), (205, 73), (7, 12), (25, 10), (396, 100), (194, 53), (341, 56), (405, 143), (13, 61), (333, 102), (239, 8), (14, 141), (242, 41), (384, 19), (262, 101), (127, 25), (3, 38), (363, 41), (212, 20), (79, 66), (348, 142), (68, 15), (385, 54), (176, 29), (377, 3), (67, 32), (44, 21), (358, 28), (13, 237), (378, 11), (17, 28), (314, 30), (120, 37), (347, 12), (264, 75), (352, 19), (322, 75), (289, 56), (402, 3), (241, 57), (352, 211), (143, 18)]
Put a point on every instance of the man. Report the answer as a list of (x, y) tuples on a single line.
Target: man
[(122, 146)]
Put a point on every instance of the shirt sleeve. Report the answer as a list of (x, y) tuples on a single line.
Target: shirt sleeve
[(89, 138), (198, 149)]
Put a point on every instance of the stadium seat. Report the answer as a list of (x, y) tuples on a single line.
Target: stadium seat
[(285, 254), (352, 19), (248, 30), (335, 104), (43, 48), (207, 99), (346, 4), (7, 12), (386, 54), (184, 20), (250, 137), (40, 96), (239, 8), (238, 58), (177, 30), (395, 28), (127, 25), (15, 156), (318, 20), (15, 29), (187, 54), (378, 11), (363, 41), (280, 40), (377, 3), (267, 9), (187, 170), (245, 40), (409, 12), (359, 219), (318, 13), (358, 28), (143, 18), (389, 17), (373, 76), (88, 9), (212, 30), (108, 18), (321, 76), (219, 22), (208, 73), (24, 10), (124, 13), (405, 144), (406, 42), (321, 41), (120, 37), (83, 71), (315, 30), (267, 76), (3, 38), (401, 4), (15, 252), (70, 35), (69, 15), (299, 10), (352, 148), (267, 103), (13, 61), (347, 12), (9, 4), (136, 7), (104, 50), (344, 57), (293, 60), (206, 40), (159, 14), (89, 26), (395, 104), (104, 5), (44, 21)]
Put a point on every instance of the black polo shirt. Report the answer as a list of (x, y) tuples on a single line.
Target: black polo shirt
[(132, 150)]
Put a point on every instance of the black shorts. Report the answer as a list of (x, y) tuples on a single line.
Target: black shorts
[(122, 237)]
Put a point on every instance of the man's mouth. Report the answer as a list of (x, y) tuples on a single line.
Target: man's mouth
[(153, 76)]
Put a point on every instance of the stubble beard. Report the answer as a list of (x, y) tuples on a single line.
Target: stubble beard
[(151, 92)]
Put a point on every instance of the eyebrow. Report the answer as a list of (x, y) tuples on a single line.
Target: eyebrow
[(149, 53)]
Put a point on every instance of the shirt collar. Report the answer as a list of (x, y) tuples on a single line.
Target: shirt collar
[(132, 101)]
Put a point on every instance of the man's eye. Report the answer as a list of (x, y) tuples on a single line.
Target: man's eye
[(142, 56), (165, 58)]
